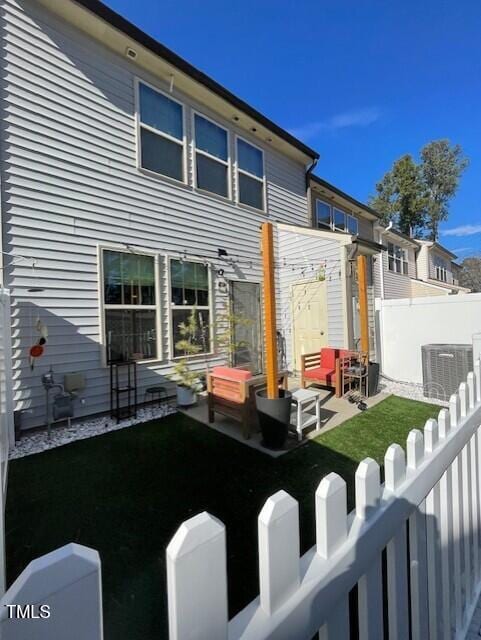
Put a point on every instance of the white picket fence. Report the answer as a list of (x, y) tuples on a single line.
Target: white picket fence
[(426, 516)]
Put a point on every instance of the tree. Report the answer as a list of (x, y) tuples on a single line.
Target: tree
[(470, 274), (441, 167), (400, 196), (415, 196)]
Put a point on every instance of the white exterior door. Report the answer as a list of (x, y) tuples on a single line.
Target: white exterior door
[(309, 318)]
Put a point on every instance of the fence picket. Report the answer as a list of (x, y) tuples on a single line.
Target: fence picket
[(368, 493), (278, 529), (475, 507), (397, 577), (197, 580), (457, 535), (445, 534), (432, 509), (417, 546), (331, 532), (65, 580), (477, 378)]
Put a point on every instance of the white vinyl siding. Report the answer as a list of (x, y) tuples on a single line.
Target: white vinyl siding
[(72, 183), (305, 255)]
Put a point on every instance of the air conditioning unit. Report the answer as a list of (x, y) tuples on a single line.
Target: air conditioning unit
[(445, 366)]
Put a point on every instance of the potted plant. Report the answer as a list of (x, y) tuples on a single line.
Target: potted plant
[(189, 382)]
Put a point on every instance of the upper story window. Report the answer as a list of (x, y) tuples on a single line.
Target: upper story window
[(397, 259), (440, 269), (161, 124), (129, 305), (211, 156), (336, 219), (250, 175)]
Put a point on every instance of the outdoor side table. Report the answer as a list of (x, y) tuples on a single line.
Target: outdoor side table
[(306, 400)]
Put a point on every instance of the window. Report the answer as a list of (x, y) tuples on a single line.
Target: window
[(352, 225), (129, 306), (441, 269), (323, 213), (189, 282), (397, 259), (161, 133), (250, 175), (211, 156), (339, 219)]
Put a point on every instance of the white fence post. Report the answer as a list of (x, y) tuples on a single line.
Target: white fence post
[(197, 580), (68, 582), (278, 528), (368, 493), (397, 577), (331, 532)]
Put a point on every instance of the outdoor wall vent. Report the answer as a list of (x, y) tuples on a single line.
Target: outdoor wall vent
[(131, 53), (445, 366)]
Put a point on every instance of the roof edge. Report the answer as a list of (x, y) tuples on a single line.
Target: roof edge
[(120, 23), (343, 194)]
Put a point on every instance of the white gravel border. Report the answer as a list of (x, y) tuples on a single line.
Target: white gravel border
[(410, 390), (38, 441)]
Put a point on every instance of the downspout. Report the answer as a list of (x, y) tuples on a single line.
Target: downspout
[(381, 233), (309, 171)]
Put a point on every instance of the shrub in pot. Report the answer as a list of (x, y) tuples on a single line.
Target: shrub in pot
[(189, 382)]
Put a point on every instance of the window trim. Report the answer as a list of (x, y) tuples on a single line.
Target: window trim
[(238, 170), (349, 215), (195, 151), (328, 226), (157, 307), (404, 259), (139, 126), (210, 307), (333, 218), (440, 269)]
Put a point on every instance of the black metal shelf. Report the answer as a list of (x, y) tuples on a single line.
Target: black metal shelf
[(123, 384)]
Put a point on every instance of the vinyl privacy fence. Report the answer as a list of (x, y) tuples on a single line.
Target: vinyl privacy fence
[(424, 521)]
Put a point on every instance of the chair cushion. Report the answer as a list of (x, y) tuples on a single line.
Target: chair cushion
[(321, 373), (233, 374), (328, 357)]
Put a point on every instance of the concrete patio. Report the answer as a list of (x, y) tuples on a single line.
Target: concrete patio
[(334, 411)]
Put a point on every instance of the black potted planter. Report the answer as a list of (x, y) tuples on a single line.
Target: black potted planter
[(274, 417)]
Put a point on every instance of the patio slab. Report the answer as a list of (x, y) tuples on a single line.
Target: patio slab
[(334, 411)]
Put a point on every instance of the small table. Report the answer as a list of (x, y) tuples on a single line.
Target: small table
[(305, 399)]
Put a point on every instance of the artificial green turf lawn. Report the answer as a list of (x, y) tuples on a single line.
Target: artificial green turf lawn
[(126, 492)]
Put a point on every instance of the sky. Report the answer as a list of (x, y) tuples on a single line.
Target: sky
[(361, 81)]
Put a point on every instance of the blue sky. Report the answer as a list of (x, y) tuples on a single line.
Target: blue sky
[(362, 82)]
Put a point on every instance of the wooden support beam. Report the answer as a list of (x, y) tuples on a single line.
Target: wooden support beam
[(269, 309), (363, 310)]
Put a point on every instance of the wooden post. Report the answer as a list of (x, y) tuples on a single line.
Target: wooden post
[(363, 312), (269, 309)]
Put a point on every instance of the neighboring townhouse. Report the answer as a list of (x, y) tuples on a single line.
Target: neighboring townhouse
[(395, 271), (133, 189), (414, 268), (435, 266)]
